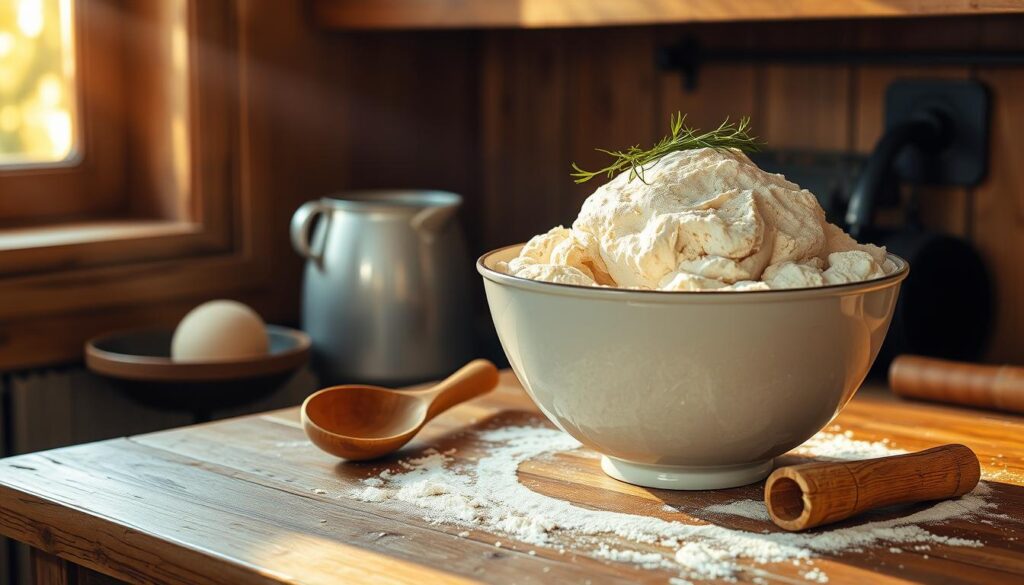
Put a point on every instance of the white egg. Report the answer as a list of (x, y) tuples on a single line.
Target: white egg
[(219, 331)]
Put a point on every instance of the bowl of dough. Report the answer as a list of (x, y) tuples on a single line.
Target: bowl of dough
[(693, 323)]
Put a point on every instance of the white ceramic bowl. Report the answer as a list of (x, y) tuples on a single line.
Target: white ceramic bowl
[(689, 390)]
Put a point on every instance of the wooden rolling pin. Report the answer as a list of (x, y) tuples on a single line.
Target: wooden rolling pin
[(804, 496), (998, 387)]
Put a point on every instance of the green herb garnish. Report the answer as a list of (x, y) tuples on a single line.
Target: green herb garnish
[(637, 160)]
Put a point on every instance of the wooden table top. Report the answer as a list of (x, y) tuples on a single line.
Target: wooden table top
[(247, 500)]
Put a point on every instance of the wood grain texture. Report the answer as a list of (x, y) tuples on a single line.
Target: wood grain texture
[(611, 80), (48, 569), (524, 135), (998, 213), (991, 387), (799, 497), (391, 14), (250, 501), (806, 107), (56, 408)]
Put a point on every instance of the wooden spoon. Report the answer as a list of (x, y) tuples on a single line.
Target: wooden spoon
[(366, 422)]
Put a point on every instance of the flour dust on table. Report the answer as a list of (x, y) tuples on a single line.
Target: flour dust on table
[(486, 495)]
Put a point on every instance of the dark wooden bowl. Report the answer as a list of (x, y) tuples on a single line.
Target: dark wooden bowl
[(139, 363)]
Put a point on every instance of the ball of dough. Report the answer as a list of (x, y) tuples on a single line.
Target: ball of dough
[(219, 331)]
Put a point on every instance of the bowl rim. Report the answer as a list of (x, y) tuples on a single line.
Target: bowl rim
[(557, 288), (163, 369)]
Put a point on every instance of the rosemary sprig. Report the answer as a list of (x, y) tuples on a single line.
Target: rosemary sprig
[(638, 160)]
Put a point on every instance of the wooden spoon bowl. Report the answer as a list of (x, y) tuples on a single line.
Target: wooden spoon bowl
[(365, 422)]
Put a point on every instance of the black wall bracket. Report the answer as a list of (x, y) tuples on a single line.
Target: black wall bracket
[(687, 56), (960, 157)]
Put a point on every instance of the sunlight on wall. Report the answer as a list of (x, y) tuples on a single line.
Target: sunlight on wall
[(37, 82)]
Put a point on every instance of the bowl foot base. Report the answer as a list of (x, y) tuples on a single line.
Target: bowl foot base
[(678, 477)]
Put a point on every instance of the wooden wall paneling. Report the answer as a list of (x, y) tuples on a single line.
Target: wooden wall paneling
[(6, 559), (524, 134), (50, 569), (998, 211), (41, 417), (41, 412), (5, 427), (157, 106), (805, 106), (610, 103), (54, 408), (722, 89), (410, 105), (410, 112), (295, 135)]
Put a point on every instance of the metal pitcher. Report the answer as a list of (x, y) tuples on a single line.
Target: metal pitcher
[(385, 296)]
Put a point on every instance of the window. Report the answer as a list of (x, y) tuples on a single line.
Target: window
[(38, 97), (134, 203), (98, 126)]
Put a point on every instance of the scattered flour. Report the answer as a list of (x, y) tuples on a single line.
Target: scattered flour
[(816, 575), (746, 508), (647, 560), (293, 444), (487, 494), (829, 445)]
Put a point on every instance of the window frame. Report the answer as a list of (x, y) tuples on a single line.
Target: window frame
[(90, 181), (150, 270), (150, 219)]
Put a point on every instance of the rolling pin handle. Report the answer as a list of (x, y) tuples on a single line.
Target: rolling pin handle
[(982, 386), (804, 496)]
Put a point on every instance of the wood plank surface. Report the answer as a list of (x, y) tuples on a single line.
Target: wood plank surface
[(50, 570), (998, 213), (405, 14), (525, 168), (610, 84), (249, 500)]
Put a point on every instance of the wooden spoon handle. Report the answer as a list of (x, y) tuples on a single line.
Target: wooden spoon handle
[(812, 494), (473, 379), (998, 387)]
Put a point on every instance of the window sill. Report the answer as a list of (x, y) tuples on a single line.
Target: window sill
[(60, 285), (54, 248), (91, 232)]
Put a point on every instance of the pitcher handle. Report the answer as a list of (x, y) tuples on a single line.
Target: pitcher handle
[(302, 221)]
